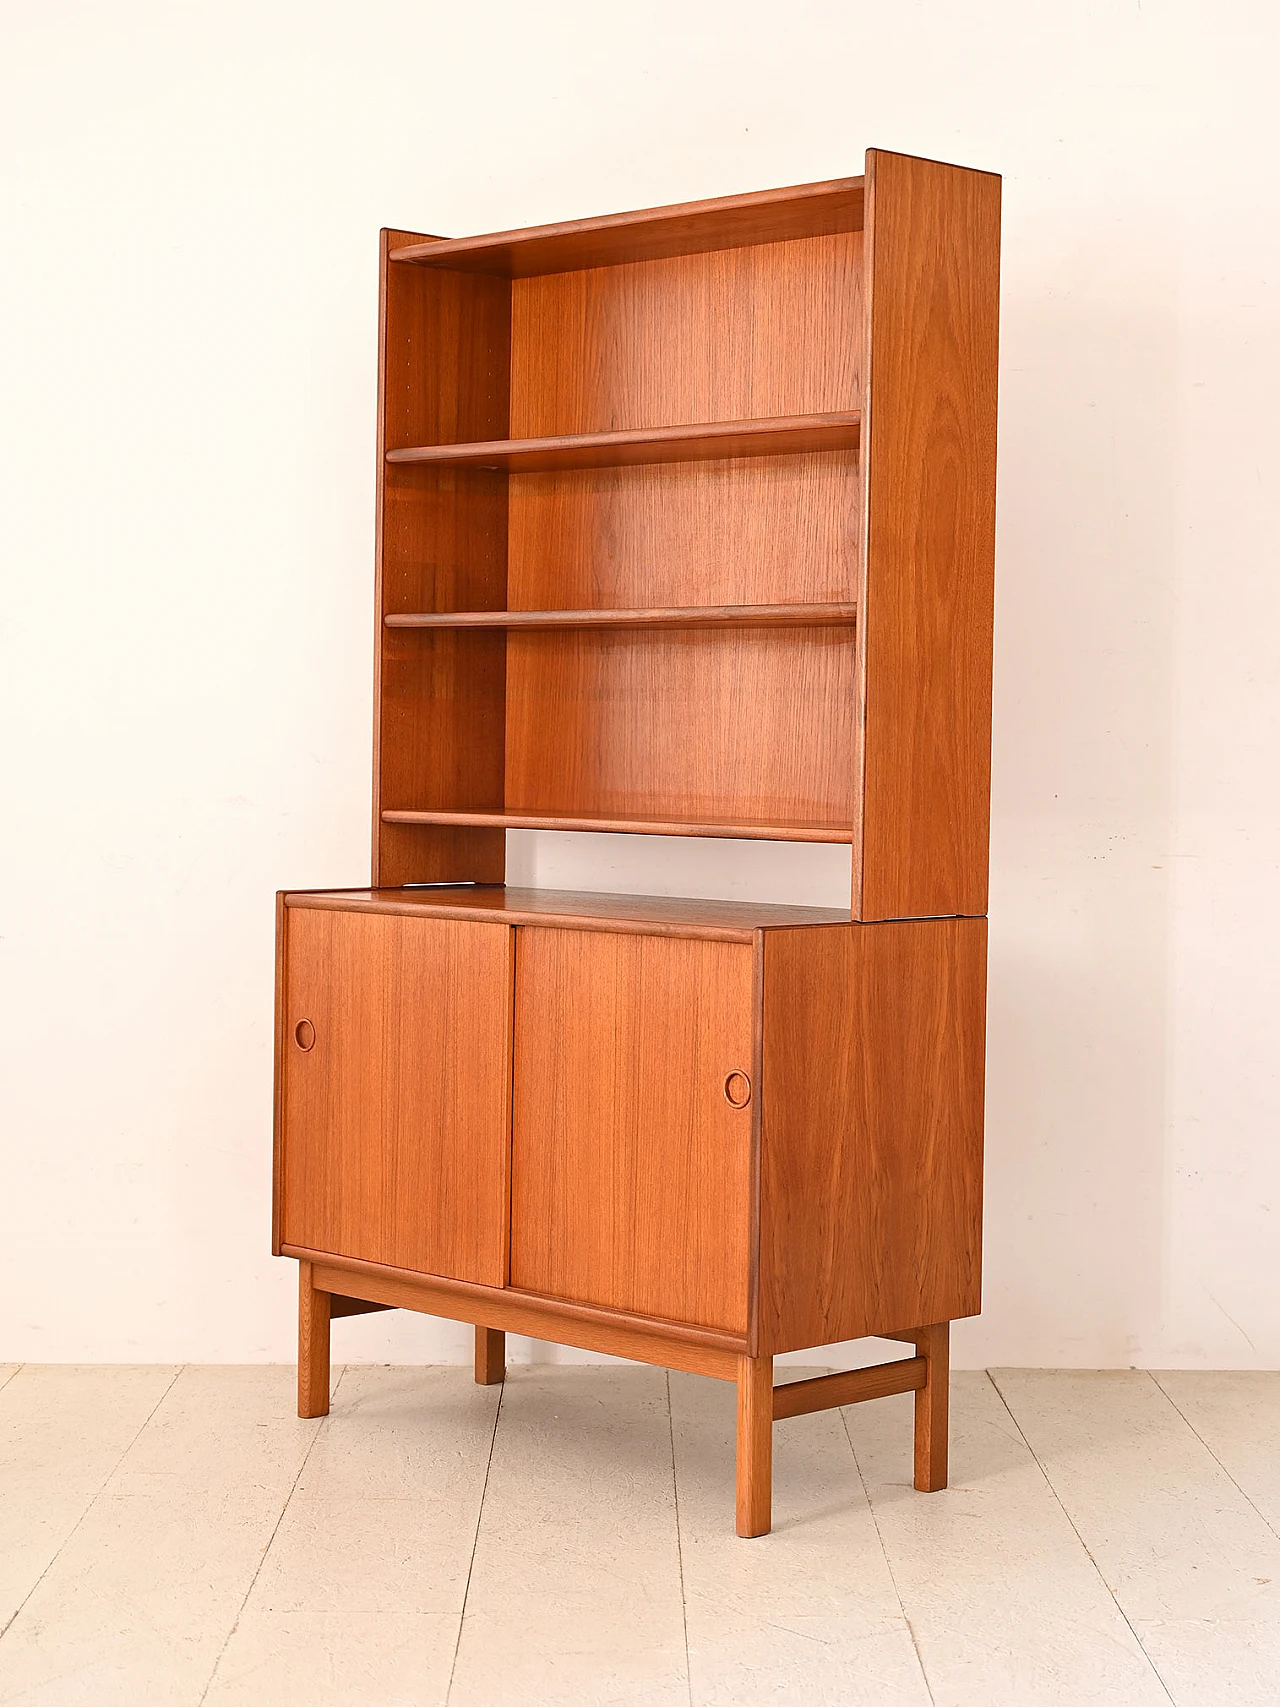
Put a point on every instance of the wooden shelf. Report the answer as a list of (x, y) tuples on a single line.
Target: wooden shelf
[(628, 826), (678, 616), (780, 435), (650, 234)]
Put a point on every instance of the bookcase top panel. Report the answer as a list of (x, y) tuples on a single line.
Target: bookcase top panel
[(648, 234), (726, 921)]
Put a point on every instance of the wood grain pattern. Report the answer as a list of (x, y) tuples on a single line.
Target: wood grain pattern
[(313, 1345), (630, 1170), (933, 1408), (670, 1345), (765, 531), (743, 334), (632, 447), (396, 1122), (849, 1387), (871, 1145), (277, 1080), (755, 1446), (491, 1357), (678, 616), (926, 602), (736, 829), (763, 216), (739, 335), (444, 343), (656, 915), (772, 710)]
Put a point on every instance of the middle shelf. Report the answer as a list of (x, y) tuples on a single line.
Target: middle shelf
[(774, 435), (669, 616)]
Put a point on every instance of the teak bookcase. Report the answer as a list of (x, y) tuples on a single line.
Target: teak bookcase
[(685, 528)]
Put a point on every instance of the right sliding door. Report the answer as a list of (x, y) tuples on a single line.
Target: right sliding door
[(631, 1159)]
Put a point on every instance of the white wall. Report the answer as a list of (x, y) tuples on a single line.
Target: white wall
[(191, 202)]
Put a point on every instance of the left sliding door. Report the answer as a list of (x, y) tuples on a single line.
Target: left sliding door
[(396, 1094)]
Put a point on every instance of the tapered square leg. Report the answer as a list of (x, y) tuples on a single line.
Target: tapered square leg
[(313, 1347), (932, 1415), (491, 1356), (755, 1445)]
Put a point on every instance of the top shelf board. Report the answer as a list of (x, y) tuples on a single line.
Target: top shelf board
[(650, 234), (776, 435)]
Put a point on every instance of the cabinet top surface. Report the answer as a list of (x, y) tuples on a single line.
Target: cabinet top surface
[(732, 921)]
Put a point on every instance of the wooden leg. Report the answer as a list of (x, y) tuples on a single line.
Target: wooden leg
[(934, 1345), (755, 1444), (491, 1356), (313, 1347)]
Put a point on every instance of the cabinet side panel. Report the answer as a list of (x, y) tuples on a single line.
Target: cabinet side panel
[(925, 607), (872, 1119), (444, 377), (277, 1120), (396, 1105)]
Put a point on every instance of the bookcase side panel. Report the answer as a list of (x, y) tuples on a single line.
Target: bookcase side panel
[(873, 1042), (928, 538), (444, 377)]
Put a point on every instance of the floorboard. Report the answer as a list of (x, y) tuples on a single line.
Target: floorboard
[(1192, 1564), (180, 1538)]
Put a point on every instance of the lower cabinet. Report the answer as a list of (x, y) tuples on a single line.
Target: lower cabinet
[(768, 1143), (694, 1134)]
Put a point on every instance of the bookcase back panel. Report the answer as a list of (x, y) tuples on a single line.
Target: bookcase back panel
[(768, 530), (725, 336), (750, 725)]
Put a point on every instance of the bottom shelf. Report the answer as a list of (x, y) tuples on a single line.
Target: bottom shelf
[(634, 826)]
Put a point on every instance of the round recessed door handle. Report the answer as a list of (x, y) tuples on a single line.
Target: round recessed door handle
[(304, 1034), (737, 1090)]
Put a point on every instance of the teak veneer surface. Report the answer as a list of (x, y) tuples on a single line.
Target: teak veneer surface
[(673, 1345), (740, 829), (849, 1387), (926, 604), (746, 725), (741, 335), (444, 374), (675, 616), (397, 1117), (626, 447), (684, 228), (630, 1168), (781, 530), (660, 915), (871, 1147)]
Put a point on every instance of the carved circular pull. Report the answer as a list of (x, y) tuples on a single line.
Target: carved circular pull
[(304, 1034), (737, 1090)]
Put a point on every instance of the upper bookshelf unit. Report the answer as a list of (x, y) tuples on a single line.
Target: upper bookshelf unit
[(686, 528)]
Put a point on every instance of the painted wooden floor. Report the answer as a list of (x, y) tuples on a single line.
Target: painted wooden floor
[(178, 1537)]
